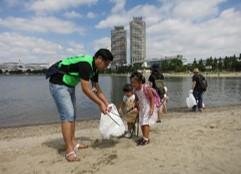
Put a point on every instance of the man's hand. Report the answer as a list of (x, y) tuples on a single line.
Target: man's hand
[(109, 108), (103, 108)]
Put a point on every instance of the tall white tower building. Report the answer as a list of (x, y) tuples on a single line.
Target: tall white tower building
[(118, 45), (137, 40)]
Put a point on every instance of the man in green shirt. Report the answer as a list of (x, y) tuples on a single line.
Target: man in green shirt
[(63, 77)]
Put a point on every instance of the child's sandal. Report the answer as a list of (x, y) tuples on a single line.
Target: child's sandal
[(139, 141), (144, 142)]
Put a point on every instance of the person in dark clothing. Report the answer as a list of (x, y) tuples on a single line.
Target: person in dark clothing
[(155, 74), (156, 80), (64, 76), (197, 89)]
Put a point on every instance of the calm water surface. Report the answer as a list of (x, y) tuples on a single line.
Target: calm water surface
[(26, 100)]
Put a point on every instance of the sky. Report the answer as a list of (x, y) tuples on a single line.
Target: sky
[(43, 31)]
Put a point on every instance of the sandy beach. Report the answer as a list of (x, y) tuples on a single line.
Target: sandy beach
[(184, 142)]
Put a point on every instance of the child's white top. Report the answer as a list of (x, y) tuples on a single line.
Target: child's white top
[(129, 99), (144, 108)]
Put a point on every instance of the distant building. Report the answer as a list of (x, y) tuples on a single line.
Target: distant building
[(12, 66), (19, 66), (36, 66), (118, 45), (137, 40)]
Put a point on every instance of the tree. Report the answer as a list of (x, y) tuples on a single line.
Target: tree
[(225, 63), (164, 65), (220, 64), (209, 62), (215, 64), (194, 64), (176, 65), (201, 66)]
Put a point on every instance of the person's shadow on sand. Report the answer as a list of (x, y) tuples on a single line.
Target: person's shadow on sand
[(58, 143), (104, 143)]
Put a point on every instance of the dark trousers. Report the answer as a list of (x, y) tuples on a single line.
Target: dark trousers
[(198, 95)]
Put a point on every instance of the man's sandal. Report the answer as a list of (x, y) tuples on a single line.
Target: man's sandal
[(71, 157), (80, 146)]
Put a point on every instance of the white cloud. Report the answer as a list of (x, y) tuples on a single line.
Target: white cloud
[(75, 48), (112, 21), (41, 24), (31, 49), (102, 43), (195, 29), (194, 9), (150, 13), (118, 15), (219, 36), (118, 6), (90, 15), (41, 6), (72, 14)]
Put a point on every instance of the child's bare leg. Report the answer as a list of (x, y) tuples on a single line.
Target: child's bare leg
[(145, 131), (129, 125), (159, 114), (165, 106), (129, 131)]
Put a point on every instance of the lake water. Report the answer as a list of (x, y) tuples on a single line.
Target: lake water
[(26, 100)]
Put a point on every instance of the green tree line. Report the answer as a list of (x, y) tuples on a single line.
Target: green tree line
[(231, 63)]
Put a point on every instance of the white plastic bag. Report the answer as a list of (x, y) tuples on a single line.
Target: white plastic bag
[(111, 124), (190, 100)]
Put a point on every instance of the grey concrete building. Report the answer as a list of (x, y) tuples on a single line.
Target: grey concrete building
[(118, 45), (137, 40)]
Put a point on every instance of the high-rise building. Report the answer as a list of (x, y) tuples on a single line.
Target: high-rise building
[(137, 40), (118, 45)]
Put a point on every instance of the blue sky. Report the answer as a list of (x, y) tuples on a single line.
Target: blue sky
[(47, 30)]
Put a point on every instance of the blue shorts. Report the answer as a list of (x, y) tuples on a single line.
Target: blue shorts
[(65, 101)]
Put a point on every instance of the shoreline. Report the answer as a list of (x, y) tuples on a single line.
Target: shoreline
[(85, 120), (93, 123)]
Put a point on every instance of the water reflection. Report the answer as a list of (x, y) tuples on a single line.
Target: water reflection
[(117, 84)]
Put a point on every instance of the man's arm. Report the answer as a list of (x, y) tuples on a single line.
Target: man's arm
[(193, 84), (100, 93), (85, 85)]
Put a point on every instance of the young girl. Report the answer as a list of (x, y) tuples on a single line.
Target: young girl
[(146, 106), (128, 110)]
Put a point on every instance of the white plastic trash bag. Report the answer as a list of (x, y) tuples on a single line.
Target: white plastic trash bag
[(190, 100), (111, 124)]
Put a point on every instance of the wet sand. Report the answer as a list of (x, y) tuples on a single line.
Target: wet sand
[(184, 142)]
